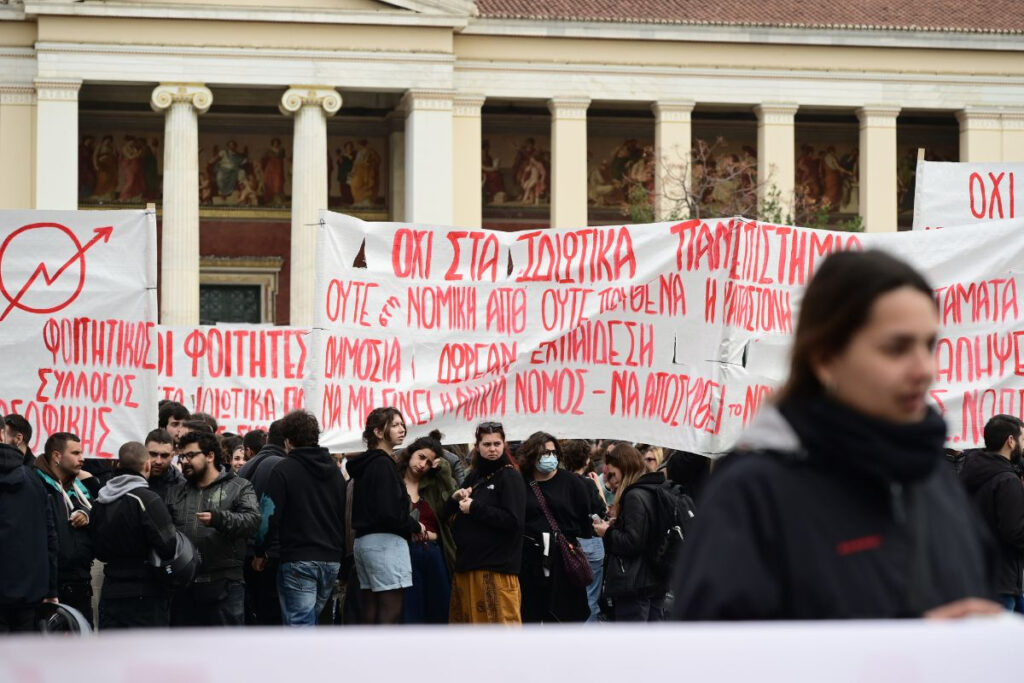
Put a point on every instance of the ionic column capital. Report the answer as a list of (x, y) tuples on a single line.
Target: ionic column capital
[(167, 94), (776, 113), (57, 89), (566, 108), (299, 96), (673, 111)]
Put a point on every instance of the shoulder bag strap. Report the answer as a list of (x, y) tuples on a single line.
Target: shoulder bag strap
[(544, 507)]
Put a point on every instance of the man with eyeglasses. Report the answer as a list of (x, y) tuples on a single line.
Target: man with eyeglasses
[(217, 510), (162, 473)]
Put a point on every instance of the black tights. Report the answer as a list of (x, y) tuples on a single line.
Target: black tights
[(383, 607)]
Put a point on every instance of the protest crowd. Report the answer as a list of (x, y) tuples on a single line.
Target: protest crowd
[(839, 501)]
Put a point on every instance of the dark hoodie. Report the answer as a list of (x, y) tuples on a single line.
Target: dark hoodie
[(998, 493), (380, 503), (28, 539), (130, 522), (825, 513), (303, 508)]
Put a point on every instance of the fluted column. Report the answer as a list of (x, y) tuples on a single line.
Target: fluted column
[(672, 143), (776, 151), (981, 135), (429, 158), (568, 161), (57, 143), (878, 198), (179, 247), (468, 196), (310, 106)]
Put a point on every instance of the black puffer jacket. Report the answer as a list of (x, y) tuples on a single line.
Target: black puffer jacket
[(629, 540), (830, 514), (235, 518), (998, 494), (28, 536)]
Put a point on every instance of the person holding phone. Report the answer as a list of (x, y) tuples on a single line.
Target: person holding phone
[(487, 522), (561, 497)]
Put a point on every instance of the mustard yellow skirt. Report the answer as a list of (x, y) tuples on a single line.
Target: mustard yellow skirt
[(485, 597)]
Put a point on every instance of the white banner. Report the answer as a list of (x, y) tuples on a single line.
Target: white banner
[(671, 333), (77, 310), (246, 376), (950, 194)]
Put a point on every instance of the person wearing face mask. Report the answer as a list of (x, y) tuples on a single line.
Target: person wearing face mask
[(486, 516), (992, 482), (836, 503), (430, 484), (547, 594)]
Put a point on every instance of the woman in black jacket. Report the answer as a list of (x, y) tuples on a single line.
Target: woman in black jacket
[(635, 591), (381, 520), (487, 522), (837, 503), (548, 596)]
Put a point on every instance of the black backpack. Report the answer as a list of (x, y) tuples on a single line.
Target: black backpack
[(674, 516)]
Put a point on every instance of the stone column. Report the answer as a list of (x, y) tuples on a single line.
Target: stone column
[(179, 244), (878, 207), (429, 159), (310, 106), (776, 152), (981, 135), (672, 143), (57, 143), (396, 165), (1013, 136), (568, 161), (468, 195), (17, 155)]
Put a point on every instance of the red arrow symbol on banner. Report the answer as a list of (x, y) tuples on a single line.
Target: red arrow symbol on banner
[(103, 233)]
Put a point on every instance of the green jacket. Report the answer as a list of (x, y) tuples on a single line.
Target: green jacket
[(436, 487)]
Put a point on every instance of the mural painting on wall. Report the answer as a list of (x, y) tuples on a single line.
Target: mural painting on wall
[(620, 171), (244, 170), (357, 172), (827, 177), (119, 167), (515, 171), (723, 181)]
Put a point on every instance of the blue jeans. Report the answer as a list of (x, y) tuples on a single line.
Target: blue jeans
[(593, 548), (303, 589)]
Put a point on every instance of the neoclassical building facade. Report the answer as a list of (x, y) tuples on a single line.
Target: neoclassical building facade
[(241, 122)]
